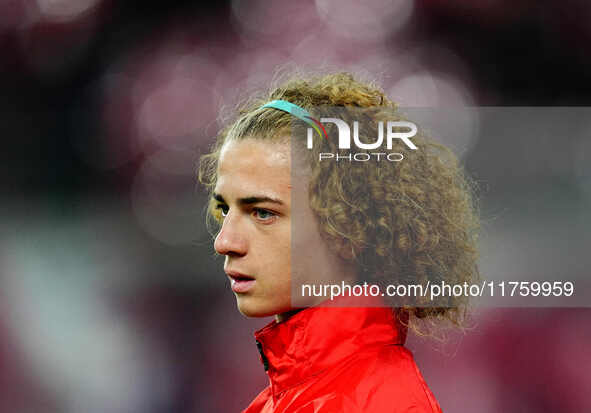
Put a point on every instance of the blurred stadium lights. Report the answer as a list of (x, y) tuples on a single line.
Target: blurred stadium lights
[(65, 10), (245, 70), (79, 348), (445, 91), (53, 36), (365, 21), (318, 48), (174, 110), (380, 63), (488, 12), (115, 145), (173, 99), (163, 197), (16, 14), (256, 22), (426, 88)]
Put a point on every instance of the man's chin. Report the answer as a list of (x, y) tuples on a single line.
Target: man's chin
[(251, 307)]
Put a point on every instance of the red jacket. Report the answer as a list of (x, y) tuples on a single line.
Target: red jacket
[(340, 360)]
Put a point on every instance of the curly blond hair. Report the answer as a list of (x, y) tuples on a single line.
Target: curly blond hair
[(413, 221)]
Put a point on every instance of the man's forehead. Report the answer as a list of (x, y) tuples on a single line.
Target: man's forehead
[(243, 185), (272, 153), (248, 185), (254, 164)]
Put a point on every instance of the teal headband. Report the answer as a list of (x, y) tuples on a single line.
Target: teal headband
[(296, 111)]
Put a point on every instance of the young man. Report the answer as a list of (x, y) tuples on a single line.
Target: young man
[(386, 223)]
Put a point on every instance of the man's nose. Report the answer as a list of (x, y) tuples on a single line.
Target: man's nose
[(231, 240)]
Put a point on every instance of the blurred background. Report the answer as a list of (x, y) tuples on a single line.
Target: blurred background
[(111, 299)]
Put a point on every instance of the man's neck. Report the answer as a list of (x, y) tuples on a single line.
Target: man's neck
[(279, 318)]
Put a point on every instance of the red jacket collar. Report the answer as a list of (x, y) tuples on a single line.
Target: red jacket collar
[(317, 338)]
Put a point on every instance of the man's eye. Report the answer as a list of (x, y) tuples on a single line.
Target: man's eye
[(263, 214), (223, 208)]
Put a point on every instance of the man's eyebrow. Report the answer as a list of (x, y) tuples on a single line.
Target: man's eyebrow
[(250, 200)]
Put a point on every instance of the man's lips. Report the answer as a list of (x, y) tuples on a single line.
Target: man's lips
[(240, 283), (238, 276)]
